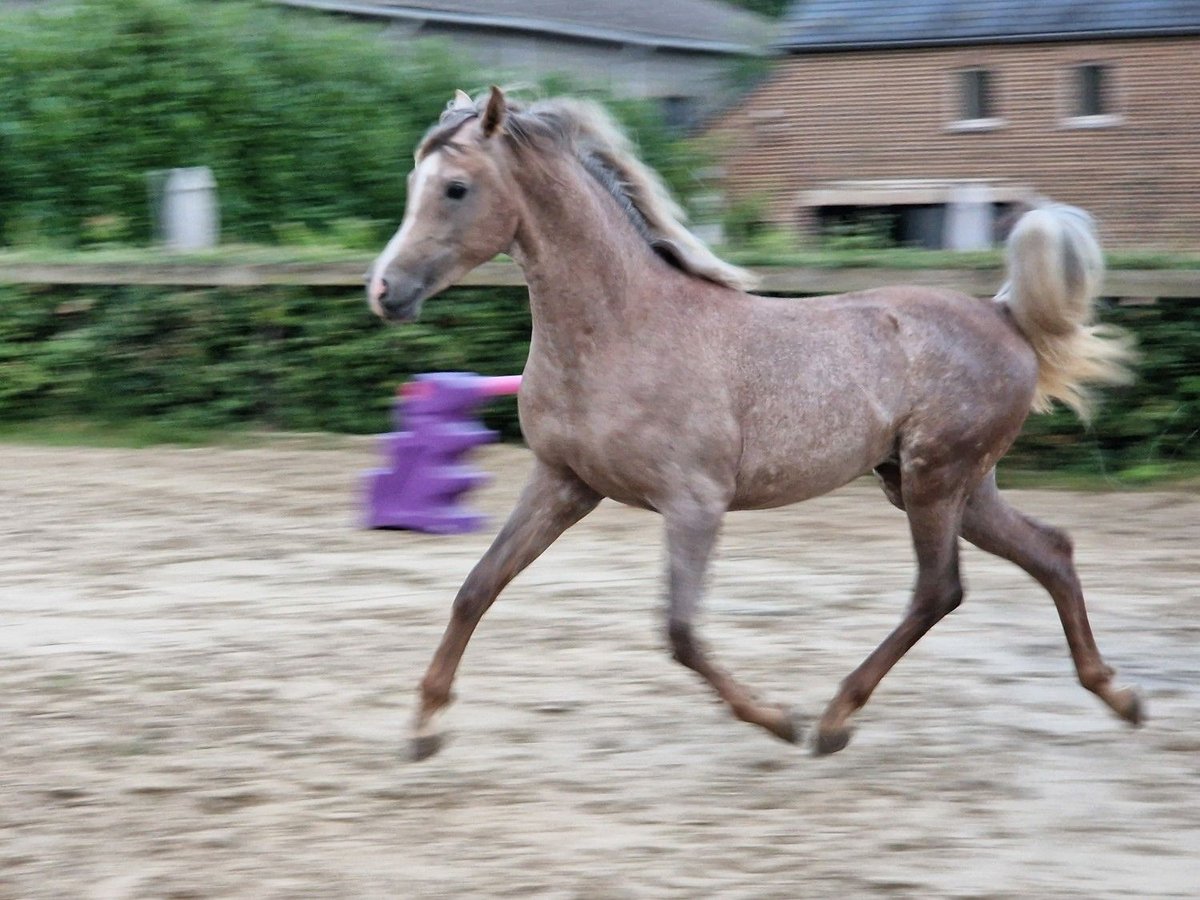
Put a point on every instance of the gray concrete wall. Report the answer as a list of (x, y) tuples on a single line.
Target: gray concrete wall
[(700, 79)]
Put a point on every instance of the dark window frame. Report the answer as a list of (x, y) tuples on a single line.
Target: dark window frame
[(1093, 90), (679, 111), (976, 94)]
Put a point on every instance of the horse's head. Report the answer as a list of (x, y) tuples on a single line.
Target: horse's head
[(460, 212)]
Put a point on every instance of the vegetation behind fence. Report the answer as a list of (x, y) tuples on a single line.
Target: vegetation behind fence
[(305, 359), (308, 126), (307, 122)]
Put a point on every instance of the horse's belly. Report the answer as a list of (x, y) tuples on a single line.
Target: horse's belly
[(780, 466), (770, 486)]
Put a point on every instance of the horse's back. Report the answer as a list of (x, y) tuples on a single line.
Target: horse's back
[(844, 381), (922, 334)]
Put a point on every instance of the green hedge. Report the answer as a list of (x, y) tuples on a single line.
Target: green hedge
[(1142, 428), (282, 358), (296, 359)]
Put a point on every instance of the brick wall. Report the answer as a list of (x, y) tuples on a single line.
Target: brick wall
[(826, 117)]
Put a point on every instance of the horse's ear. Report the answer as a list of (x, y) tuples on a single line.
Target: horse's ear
[(493, 115), (462, 100)]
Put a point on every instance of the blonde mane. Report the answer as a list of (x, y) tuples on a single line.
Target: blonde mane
[(586, 129)]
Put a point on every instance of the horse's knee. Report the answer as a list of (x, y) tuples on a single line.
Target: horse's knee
[(469, 605)]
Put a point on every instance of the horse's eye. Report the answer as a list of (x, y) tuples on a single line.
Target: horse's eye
[(456, 190)]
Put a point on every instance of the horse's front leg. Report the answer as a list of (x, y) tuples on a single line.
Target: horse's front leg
[(551, 502), (691, 535)]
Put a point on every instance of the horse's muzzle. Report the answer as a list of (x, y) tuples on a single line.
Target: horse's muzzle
[(397, 297)]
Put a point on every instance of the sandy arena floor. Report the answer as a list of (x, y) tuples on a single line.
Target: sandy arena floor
[(207, 672)]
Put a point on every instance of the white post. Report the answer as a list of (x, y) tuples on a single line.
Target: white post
[(969, 224), (189, 209)]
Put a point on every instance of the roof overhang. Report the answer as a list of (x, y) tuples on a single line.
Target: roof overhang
[(531, 25), (832, 46), (915, 192)]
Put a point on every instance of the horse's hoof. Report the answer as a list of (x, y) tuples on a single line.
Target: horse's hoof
[(831, 740), (1127, 704), (424, 746)]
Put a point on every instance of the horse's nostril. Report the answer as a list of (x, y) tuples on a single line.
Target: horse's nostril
[(377, 289)]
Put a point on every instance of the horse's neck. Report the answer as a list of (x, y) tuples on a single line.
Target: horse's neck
[(582, 257)]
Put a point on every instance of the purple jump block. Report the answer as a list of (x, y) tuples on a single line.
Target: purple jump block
[(436, 426)]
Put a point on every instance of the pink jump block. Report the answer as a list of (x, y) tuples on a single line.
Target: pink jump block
[(436, 424)]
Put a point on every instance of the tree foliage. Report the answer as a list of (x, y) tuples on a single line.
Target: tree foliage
[(298, 123), (305, 119)]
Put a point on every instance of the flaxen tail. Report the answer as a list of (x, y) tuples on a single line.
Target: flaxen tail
[(1055, 270)]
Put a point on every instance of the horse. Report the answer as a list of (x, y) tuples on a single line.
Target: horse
[(656, 379)]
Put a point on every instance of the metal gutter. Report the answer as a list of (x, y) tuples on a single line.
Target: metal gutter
[(538, 26), (1037, 38)]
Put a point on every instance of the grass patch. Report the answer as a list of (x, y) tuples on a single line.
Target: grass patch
[(1180, 475), (142, 434), (133, 435), (225, 255), (137, 434)]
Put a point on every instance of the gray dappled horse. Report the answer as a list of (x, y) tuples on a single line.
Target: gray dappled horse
[(654, 379)]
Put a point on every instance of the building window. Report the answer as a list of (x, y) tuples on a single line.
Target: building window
[(973, 100), (679, 113), (1091, 99), (975, 94), (1091, 91)]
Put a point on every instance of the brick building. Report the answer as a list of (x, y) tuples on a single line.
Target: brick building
[(917, 110)]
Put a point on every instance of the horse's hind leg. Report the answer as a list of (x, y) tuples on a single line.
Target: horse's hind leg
[(934, 505), (691, 535), (1045, 553), (551, 503)]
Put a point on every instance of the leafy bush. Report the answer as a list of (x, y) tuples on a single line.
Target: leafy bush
[(297, 359), (744, 220), (871, 231), (1154, 422), (279, 358), (299, 122), (306, 120)]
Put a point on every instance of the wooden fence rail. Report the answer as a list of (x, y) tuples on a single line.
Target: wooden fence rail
[(1125, 283)]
